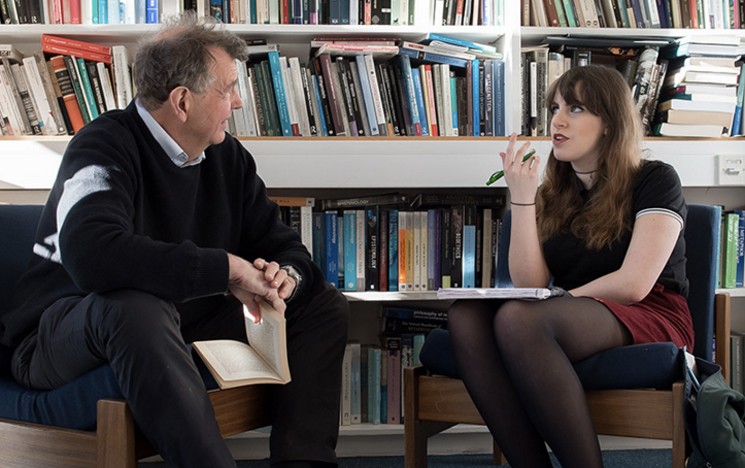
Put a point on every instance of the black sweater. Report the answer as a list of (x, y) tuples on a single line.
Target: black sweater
[(122, 215)]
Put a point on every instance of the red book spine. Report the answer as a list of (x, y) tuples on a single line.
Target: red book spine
[(75, 44), (84, 54)]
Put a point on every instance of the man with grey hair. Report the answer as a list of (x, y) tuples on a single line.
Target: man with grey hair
[(156, 233)]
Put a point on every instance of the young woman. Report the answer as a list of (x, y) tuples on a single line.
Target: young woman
[(605, 226)]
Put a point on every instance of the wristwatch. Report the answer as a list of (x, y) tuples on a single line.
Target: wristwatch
[(294, 274)]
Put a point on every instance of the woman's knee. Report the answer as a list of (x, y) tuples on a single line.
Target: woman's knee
[(518, 322)]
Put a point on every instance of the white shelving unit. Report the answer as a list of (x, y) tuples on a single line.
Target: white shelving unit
[(29, 164)]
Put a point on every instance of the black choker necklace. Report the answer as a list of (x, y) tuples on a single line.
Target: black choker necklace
[(585, 173)]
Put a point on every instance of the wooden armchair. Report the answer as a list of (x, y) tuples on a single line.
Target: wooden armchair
[(85, 423), (635, 391)]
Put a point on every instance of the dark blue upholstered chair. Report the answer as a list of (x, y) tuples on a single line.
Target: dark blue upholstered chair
[(634, 391), (85, 423)]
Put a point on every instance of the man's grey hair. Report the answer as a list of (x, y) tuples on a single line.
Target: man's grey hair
[(179, 55)]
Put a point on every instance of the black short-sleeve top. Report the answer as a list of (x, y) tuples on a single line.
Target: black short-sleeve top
[(657, 189)]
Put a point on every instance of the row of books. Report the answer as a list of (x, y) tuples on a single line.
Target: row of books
[(79, 11), (60, 88), (650, 14), (700, 92), (371, 89), (353, 12), (687, 87), (380, 248), (372, 374)]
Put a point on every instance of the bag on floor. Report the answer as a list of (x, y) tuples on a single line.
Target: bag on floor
[(714, 418)]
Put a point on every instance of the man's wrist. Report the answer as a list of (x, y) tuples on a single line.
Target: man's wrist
[(295, 275)]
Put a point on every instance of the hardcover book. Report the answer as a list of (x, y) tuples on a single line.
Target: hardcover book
[(262, 360)]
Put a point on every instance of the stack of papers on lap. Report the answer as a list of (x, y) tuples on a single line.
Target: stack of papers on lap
[(497, 293)]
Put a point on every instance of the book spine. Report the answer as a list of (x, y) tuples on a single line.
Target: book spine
[(28, 106), (75, 44), (122, 76), (403, 225), (350, 250), (419, 97), (332, 249), (371, 248), (279, 93), (38, 93), (68, 92), (408, 85), (360, 247), (333, 98), (371, 107), (383, 260), (393, 245), (90, 101), (432, 115)]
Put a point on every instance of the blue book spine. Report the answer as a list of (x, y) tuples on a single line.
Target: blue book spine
[(87, 89), (498, 97), (417, 79), (332, 249), (373, 389), (334, 11), (103, 11), (432, 57), (475, 97), (469, 256), (350, 250), (410, 94), (152, 12), (94, 11), (457, 41), (393, 250), (252, 13), (737, 120), (279, 93), (140, 11), (344, 11), (453, 100), (367, 94), (740, 277), (321, 116), (297, 12)]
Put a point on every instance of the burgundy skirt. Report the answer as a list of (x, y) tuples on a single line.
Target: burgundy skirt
[(662, 316)]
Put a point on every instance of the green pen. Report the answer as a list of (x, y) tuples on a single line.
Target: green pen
[(499, 174)]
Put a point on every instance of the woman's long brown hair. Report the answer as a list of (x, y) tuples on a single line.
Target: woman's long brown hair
[(604, 92)]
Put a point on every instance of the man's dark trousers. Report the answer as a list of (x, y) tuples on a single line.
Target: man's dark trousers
[(143, 339)]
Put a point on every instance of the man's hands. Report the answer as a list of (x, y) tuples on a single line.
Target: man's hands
[(249, 282)]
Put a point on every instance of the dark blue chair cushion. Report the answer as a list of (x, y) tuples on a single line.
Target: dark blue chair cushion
[(656, 365), (74, 405)]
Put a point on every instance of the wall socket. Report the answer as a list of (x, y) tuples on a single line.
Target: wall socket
[(730, 169)]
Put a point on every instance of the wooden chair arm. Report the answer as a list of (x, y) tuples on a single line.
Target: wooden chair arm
[(722, 330)]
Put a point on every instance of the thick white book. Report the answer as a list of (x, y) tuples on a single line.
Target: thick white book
[(262, 361), (499, 293)]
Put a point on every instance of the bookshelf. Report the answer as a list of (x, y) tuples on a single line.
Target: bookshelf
[(345, 165)]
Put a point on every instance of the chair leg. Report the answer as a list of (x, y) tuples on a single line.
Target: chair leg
[(679, 432), (116, 435)]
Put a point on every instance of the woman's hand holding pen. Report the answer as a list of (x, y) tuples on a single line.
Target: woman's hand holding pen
[(520, 174)]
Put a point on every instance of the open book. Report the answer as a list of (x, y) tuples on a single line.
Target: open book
[(263, 360), (499, 293)]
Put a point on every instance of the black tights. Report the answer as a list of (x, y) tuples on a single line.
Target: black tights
[(516, 359)]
